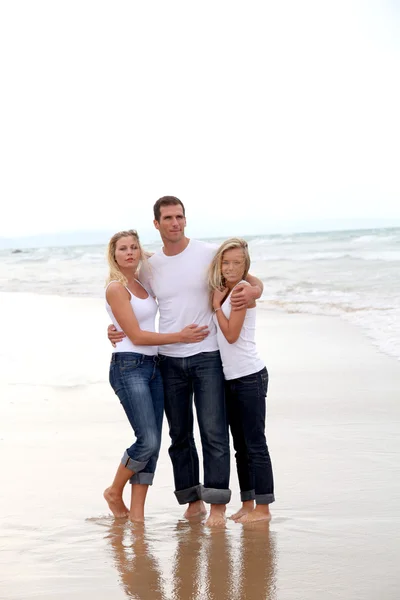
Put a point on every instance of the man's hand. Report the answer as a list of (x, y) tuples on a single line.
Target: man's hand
[(114, 336), (243, 296)]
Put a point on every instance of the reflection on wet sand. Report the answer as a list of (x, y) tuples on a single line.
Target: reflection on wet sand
[(206, 565), (257, 578), (138, 569)]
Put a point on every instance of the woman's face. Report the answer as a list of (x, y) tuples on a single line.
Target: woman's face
[(232, 265), (127, 252)]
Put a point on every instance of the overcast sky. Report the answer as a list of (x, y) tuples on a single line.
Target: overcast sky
[(253, 113)]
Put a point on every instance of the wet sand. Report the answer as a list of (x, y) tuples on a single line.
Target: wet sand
[(333, 432)]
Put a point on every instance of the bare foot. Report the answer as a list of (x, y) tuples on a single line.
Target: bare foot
[(195, 509), (260, 513), (136, 518), (247, 507), (115, 503), (217, 516)]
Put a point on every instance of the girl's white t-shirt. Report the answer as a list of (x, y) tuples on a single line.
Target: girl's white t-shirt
[(145, 310), (240, 358)]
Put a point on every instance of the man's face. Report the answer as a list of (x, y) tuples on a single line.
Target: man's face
[(172, 223)]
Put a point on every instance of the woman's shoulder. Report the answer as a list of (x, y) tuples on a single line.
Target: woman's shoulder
[(115, 289)]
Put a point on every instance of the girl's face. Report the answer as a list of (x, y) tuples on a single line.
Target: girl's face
[(127, 253), (232, 265)]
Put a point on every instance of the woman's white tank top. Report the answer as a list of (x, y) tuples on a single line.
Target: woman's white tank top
[(145, 310)]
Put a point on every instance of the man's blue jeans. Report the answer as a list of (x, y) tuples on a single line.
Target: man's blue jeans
[(245, 401), (136, 379), (201, 375)]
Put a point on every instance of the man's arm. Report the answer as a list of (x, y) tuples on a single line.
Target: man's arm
[(245, 295)]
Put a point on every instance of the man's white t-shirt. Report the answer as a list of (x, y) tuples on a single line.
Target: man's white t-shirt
[(180, 284)]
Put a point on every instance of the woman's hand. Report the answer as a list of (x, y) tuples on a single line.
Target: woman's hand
[(193, 333), (218, 296), (114, 336)]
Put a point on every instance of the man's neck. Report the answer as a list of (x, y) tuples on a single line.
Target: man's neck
[(174, 248)]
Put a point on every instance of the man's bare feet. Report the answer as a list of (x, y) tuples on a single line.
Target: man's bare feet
[(195, 509), (260, 513), (115, 503), (247, 507), (217, 516)]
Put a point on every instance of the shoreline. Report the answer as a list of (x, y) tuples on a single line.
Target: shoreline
[(332, 429)]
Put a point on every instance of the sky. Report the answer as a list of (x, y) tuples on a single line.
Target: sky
[(259, 116)]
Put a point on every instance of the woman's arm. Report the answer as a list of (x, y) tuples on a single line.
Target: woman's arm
[(231, 327), (118, 299)]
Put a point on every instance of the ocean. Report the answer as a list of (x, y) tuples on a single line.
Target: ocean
[(353, 275)]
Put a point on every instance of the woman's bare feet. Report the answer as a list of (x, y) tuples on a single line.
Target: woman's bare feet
[(195, 509), (115, 503), (247, 507), (217, 516), (138, 499), (136, 517), (260, 513)]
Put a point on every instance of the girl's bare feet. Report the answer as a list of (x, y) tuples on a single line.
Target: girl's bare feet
[(260, 513), (195, 509), (115, 503), (247, 507)]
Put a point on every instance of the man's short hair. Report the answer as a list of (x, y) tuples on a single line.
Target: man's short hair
[(166, 201)]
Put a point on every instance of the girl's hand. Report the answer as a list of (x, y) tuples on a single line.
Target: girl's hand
[(193, 333), (218, 296)]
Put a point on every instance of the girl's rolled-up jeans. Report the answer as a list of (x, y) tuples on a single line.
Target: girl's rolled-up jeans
[(136, 380)]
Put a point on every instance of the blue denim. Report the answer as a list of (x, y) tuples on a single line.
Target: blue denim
[(136, 379), (199, 375), (246, 407)]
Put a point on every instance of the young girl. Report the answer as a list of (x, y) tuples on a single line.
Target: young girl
[(134, 372), (246, 382)]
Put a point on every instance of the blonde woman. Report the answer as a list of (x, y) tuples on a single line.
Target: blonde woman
[(134, 372), (246, 381)]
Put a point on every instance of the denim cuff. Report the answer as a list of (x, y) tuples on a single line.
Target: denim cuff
[(249, 495), (215, 496), (133, 465), (142, 478), (189, 494), (265, 498)]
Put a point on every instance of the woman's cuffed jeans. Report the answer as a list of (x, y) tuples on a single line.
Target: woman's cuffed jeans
[(246, 407), (200, 376), (136, 380)]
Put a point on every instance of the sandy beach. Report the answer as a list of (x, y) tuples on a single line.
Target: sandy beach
[(333, 433)]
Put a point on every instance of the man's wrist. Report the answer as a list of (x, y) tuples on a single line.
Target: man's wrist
[(256, 292)]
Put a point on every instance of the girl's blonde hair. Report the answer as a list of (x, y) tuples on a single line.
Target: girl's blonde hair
[(115, 273), (215, 278)]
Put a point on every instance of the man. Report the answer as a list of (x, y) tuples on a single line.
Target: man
[(177, 275)]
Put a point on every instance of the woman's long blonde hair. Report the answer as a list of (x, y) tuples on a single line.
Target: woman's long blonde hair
[(115, 273), (216, 280)]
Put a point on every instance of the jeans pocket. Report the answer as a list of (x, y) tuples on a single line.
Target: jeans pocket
[(264, 381), (128, 364)]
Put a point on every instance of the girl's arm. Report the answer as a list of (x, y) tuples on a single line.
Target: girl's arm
[(231, 327), (118, 298)]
